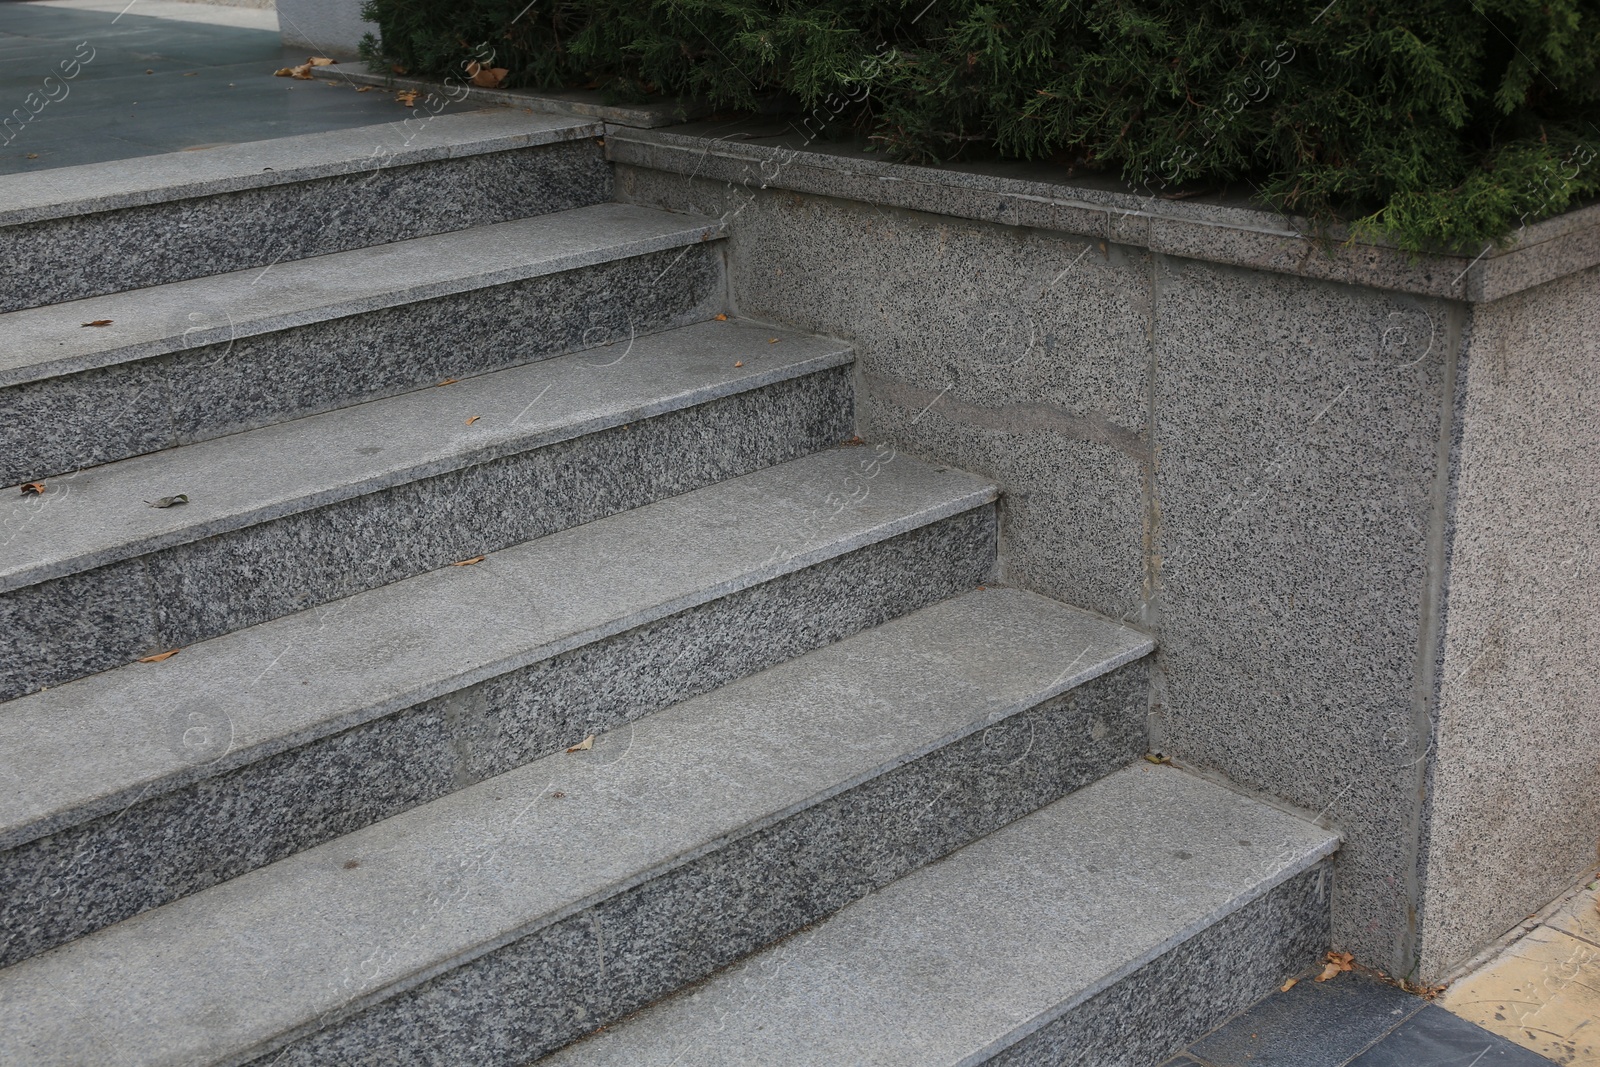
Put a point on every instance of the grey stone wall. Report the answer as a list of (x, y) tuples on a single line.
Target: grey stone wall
[(1259, 466), (1514, 817)]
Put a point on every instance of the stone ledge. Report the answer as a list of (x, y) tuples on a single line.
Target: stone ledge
[(576, 102), (125, 183), (1209, 229)]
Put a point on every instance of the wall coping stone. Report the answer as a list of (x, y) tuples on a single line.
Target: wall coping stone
[(762, 155)]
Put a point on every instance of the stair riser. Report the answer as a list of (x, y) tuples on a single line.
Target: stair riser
[(71, 258), (75, 421), (73, 882), (1192, 988), (79, 624), (555, 984)]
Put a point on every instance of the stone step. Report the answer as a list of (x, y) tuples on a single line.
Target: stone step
[(139, 785), (198, 359), (109, 227), (1111, 927), (508, 918), (296, 514)]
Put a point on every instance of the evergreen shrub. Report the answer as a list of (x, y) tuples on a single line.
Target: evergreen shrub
[(1435, 123)]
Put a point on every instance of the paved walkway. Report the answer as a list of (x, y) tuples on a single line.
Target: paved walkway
[(151, 83), (1543, 990)]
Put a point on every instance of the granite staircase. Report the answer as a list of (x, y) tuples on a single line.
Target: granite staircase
[(435, 630)]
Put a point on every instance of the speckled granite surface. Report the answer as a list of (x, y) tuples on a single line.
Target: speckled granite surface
[(151, 244), (70, 883), (75, 625), (619, 956), (1170, 1001), (1280, 547), (66, 423)]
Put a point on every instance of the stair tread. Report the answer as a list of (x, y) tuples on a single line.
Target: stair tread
[(43, 342), (108, 186), (962, 958), (99, 515), (96, 744), (238, 968)]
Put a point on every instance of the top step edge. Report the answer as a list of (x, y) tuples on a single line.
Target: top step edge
[(100, 187)]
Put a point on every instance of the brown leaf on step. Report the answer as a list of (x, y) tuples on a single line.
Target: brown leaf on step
[(853, 442), (1290, 984), (1157, 757), (33, 155), (739, 363), (469, 562), (397, 68), (100, 322), (351, 865), (474, 419), (169, 501), (448, 381), (583, 746), (772, 340), (159, 656), (722, 318), (320, 61), (33, 489), (1332, 970), (363, 88), (489, 77), (303, 72), (406, 98)]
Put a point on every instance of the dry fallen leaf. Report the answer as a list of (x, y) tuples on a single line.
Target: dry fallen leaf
[(853, 442), (1338, 963), (739, 363), (489, 77), (474, 419), (33, 489), (722, 318), (320, 61), (100, 322), (303, 72), (468, 562), (1156, 757), (583, 746), (363, 88), (397, 68), (159, 656), (772, 340), (1290, 984), (448, 381), (169, 501), (407, 98), (558, 794)]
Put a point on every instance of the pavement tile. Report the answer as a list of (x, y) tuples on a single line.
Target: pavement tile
[(1314, 1024), (1543, 993), (1435, 1038)]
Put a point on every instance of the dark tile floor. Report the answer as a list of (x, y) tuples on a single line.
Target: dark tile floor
[(211, 85), (1352, 1020)]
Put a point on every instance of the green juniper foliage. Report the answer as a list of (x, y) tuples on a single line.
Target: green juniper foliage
[(1435, 123)]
